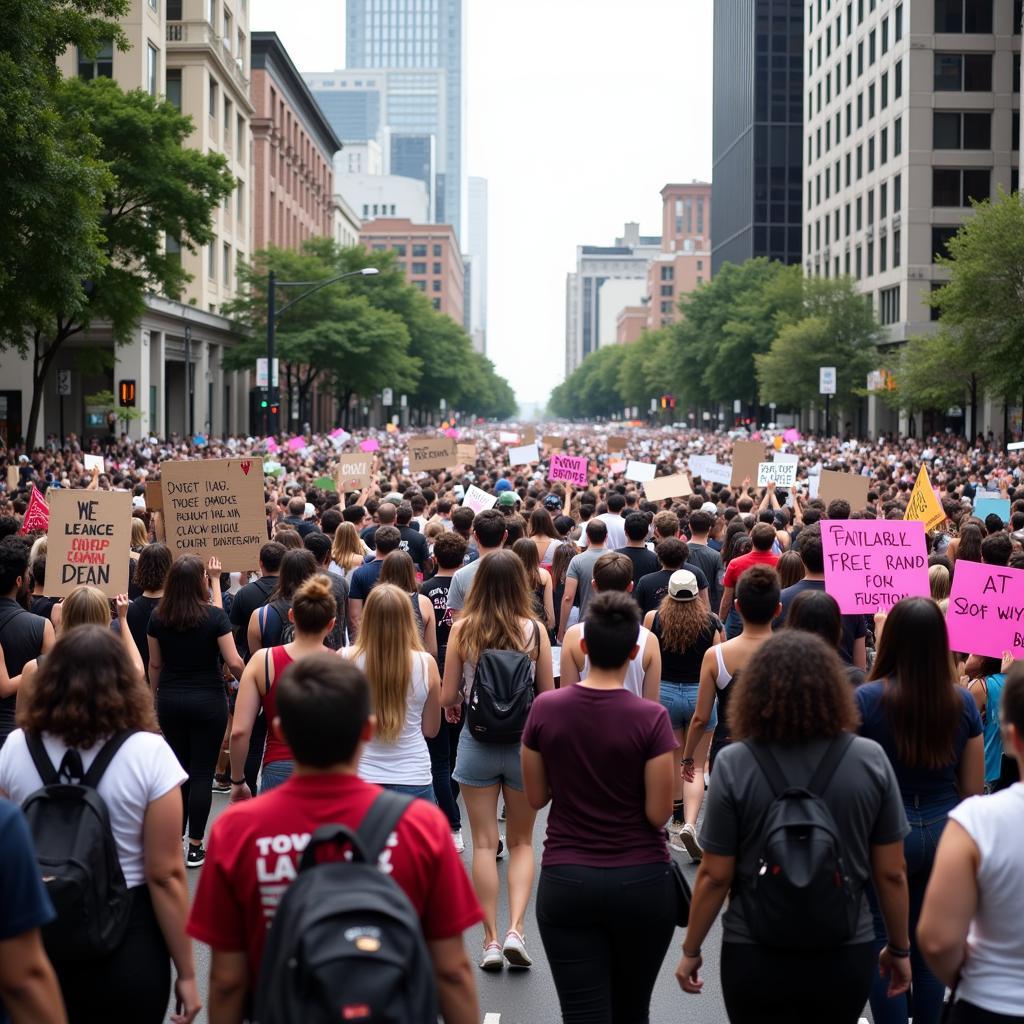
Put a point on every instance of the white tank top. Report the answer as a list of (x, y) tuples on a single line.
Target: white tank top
[(634, 681), (406, 762)]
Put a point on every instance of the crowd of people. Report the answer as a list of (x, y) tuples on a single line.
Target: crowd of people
[(671, 679)]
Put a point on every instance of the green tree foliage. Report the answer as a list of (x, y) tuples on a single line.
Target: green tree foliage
[(593, 389), (834, 326), (641, 368), (155, 187)]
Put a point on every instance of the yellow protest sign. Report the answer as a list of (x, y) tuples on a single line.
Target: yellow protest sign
[(924, 506)]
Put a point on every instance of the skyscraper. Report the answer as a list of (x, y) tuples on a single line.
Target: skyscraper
[(476, 249), (757, 130), (405, 36)]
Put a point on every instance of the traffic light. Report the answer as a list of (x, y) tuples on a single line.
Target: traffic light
[(126, 393), (263, 403)]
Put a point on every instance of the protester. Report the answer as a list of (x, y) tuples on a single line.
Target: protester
[(986, 679), (347, 551), (489, 532), (762, 537), (542, 534), (83, 697), (673, 554), (792, 716), (814, 611), (606, 903), (579, 575), (323, 714), (645, 561), (154, 565), (539, 582), (399, 571), (319, 546), (269, 621), (497, 616), (364, 579)]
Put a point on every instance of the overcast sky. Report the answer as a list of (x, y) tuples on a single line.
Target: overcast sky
[(579, 112)]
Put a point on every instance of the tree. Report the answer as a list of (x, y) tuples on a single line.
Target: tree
[(639, 372), (592, 388), (834, 326), (51, 182), (157, 188)]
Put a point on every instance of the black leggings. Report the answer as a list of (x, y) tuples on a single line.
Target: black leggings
[(131, 984), (764, 985), (605, 932), (442, 749), (967, 1013), (193, 723)]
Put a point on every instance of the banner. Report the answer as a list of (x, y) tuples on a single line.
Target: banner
[(88, 541), (573, 469), (986, 610), (465, 453), (37, 515), (871, 564), (709, 470), (215, 507), (923, 506)]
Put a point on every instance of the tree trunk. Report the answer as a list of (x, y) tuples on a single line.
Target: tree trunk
[(42, 360), (974, 406)]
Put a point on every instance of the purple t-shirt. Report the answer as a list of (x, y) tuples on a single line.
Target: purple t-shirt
[(595, 745)]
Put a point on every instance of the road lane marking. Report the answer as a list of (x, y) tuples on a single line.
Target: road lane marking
[(492, 1018)]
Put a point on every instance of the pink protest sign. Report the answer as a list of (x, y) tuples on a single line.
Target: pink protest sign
[(272, 446), (371, 444), (986, 610), (791, 436), (452, 433), (296, 443), (572, 469), (871, 564)]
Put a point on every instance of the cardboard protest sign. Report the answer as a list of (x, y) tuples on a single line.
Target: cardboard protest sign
[(88, 541), (12, 478), (870, 564), (662, 487), (992, 506), (851, 486), (508, 437), (709, 470), (529, 435), (427, 453), (354, 473), (154, 496), (215, 507), (641, 472), (478, 500), (617, 444), (465, 453), (986, 610), (923, 505), (782, 474), (523, 455), (552, 441), (746, 457), (573, 469), (617, 466)]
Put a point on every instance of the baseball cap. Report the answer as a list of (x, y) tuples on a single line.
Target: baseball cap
[(138, 501), (503, 485), (308, 512), (710, 507), (507, 500), (682, 585), (552, 502)]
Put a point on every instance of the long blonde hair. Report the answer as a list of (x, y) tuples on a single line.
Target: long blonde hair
[(347, 548), (498, 602), (84, 606), (682, 623), (387, 641)]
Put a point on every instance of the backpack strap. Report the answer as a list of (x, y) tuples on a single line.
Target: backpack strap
[(380, 821), (829, 763), (104, 757), (41, 759), (261, 618), (769, 766)]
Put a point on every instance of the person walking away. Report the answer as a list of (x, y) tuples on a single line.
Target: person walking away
[(347, 551), (489, 532), (539, 582), (701, 523), (364, 579), (188, 638), (645, 561), (673, 554), (269, 622), (931, 731), (399, 571), (579, 576), (605, 761), (255, 595), (323, 715), (762, 537), (498, 616), (798, 950), (970, 926), (987, 678)]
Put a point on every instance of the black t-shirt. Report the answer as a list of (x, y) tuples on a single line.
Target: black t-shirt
[(684, 666), (139, 612), (710, 562), (191, 657), (42, 606), (416, 545), (250, 597), (436, 588), (644, 561), (21, 637), (854, 626), (654, 586)]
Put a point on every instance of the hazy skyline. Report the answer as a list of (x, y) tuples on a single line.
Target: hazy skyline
[(579, 112)]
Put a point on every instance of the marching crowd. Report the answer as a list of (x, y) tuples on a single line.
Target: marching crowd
[(670, 679)]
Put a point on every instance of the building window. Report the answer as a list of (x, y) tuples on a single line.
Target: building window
[(897, 136), (871, 259), (883, 144), (871, 154), (398, 249), (1015, 130), (954, 187), (211, 261), (963, 15), (436, 251), (896, 238), (240, 203), (883, 101), (1018, 8), (897, 193), (152, 68), (227, 264), (421, 251), (154, 5), (98, 65), (897, 23), (883, 200), (897, 79), (228, 30), (172, 247), (934, 312), (667, 273), (860, 212), (437, 268), (940, 240), (956, 130), (436, 303), (419, 268), (667, 289), (173, 85), (963, 72), (889, 305), (856, 263), (436, 285), (883, 254), (871, 207), (666, 307), (214, 100)]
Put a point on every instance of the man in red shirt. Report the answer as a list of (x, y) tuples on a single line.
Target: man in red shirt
[(762, 536), (324, 715)]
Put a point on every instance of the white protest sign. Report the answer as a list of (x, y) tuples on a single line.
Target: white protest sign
[(789, 457), (523, 455), (782, 474), (93, 462), (640, 471), (478, 500)]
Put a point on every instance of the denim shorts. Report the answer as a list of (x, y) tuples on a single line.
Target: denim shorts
[(274, 774), (420, 792), (487, 764), (680, 701)]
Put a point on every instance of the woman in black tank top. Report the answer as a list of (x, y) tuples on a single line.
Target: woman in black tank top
[(399, 570)]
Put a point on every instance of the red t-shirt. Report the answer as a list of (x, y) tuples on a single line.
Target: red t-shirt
[(738, 566), (255, 847)]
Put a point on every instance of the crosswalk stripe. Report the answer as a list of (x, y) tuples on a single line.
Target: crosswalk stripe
[(495, 1018)]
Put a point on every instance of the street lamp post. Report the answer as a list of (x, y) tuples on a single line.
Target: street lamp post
[(189, 383), (273, 313)]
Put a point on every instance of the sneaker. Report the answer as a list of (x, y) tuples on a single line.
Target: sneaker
[(501, 814), (195, 856), (501, 848), (514, 950), (492, 959), (221, 784), (688, 838), (460, 843), (674, 827)]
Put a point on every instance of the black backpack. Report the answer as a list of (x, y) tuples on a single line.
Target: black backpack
[(800, 896), (346, 942), (286, 633), (502, 695), (77, 854)]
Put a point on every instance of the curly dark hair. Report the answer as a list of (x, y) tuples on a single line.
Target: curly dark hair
[(86, 690), (791, 691)]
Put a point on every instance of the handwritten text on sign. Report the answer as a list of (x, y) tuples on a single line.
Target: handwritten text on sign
[(572, 469), (88, 541), (872, 564), (986, 610), (782, 474)]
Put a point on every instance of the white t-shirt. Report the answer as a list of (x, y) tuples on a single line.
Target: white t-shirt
[(993, 975), (143, 770), (616, 530), (634, 680)]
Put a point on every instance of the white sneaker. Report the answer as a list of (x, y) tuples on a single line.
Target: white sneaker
[(501, 848), (514, 950), (688, 837), (674, 827), (492, 959), (460, 843)]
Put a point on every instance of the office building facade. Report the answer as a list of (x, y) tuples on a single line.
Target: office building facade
[(685, 260), (757, 130), (476, 249)]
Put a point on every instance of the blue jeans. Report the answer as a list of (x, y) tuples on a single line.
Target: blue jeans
[(924, 1000), (274, 774), (680, 701), (422, 792)]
